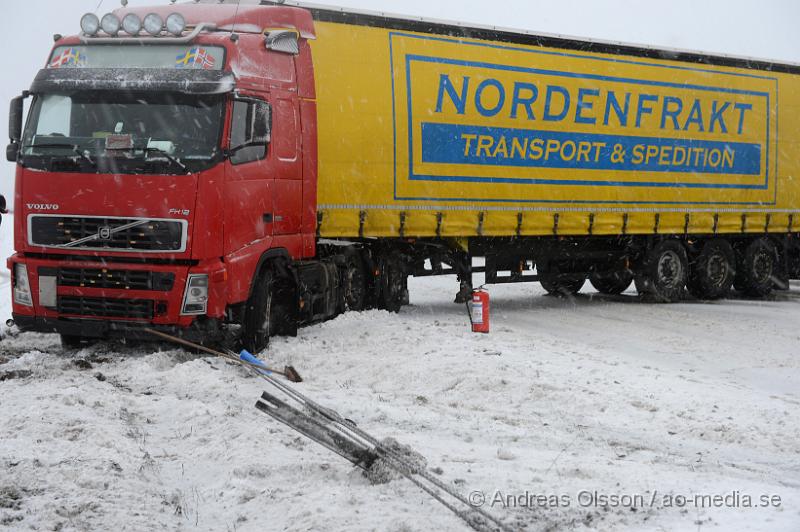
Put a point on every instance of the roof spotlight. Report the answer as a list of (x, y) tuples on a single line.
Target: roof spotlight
[(176, 24), (153, 24), (132, 24), (90, 24), (110, 24)]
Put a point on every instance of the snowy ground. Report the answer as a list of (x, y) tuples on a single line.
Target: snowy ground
[(564, 398)]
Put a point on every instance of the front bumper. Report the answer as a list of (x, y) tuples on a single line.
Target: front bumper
[(200, 331), (108, 299)]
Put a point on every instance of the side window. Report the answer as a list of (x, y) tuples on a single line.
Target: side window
[(244, 133)]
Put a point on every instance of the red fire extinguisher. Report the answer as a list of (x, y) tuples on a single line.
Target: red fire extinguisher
[(479, 315)]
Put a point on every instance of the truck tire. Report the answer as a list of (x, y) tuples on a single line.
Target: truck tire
[(283, 315), (662, 276), (712, 272), (561, 287), (256, 328), (756, 268), (393, 284), (355, 283), (612, 284)]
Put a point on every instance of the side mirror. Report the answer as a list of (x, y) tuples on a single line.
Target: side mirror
[(15, 112), (2, 204), (12, 152)]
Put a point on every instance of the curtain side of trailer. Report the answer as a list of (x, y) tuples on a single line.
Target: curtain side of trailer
[(426, 135)]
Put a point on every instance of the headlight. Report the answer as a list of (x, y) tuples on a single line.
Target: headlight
[(153, 24), (110, 24), (176, 24), (22, 288), (90, 24), (195, 299), (132, 24)]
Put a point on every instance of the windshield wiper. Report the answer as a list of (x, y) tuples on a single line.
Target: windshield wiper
[(172, 159), (73, 147)]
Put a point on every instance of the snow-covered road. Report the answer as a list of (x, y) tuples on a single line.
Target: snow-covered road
[(579, 401)]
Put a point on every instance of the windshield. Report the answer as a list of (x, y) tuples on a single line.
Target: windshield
[(123, 133)]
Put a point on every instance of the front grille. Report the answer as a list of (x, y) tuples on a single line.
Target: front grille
[(116, 279), (108, 234), (106, 308)]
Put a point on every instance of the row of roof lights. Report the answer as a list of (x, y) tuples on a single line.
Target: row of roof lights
[(132, 24)]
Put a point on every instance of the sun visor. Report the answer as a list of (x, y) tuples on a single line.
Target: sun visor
[(133, 80)]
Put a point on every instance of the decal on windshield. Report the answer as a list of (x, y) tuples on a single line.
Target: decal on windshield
[(196, 58), (71, 57)]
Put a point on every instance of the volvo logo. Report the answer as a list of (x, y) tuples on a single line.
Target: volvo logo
[(104, 233), (42, 206)]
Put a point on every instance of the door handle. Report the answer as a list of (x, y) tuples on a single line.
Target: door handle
[(267, 217)]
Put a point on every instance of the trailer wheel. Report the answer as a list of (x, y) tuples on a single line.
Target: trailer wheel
[(662, 277), (612, 284), (393, 283), (258, 314), (561, 287), (757, 268), (711, 274), (355, 284)]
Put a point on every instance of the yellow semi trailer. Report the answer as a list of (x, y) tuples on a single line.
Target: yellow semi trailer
[(585, 159), (312, 159)]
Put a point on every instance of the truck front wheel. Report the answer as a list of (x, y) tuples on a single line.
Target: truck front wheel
[(258, 314), (663, 274)]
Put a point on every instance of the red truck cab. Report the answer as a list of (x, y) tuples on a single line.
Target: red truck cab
[(158, 172)]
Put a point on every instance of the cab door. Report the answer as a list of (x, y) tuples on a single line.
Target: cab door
[(249, 180)]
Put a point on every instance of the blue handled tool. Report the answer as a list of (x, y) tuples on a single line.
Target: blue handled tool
[(288, 371), (248, 357)]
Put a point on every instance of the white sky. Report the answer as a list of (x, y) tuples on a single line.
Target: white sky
[(757, 28)]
